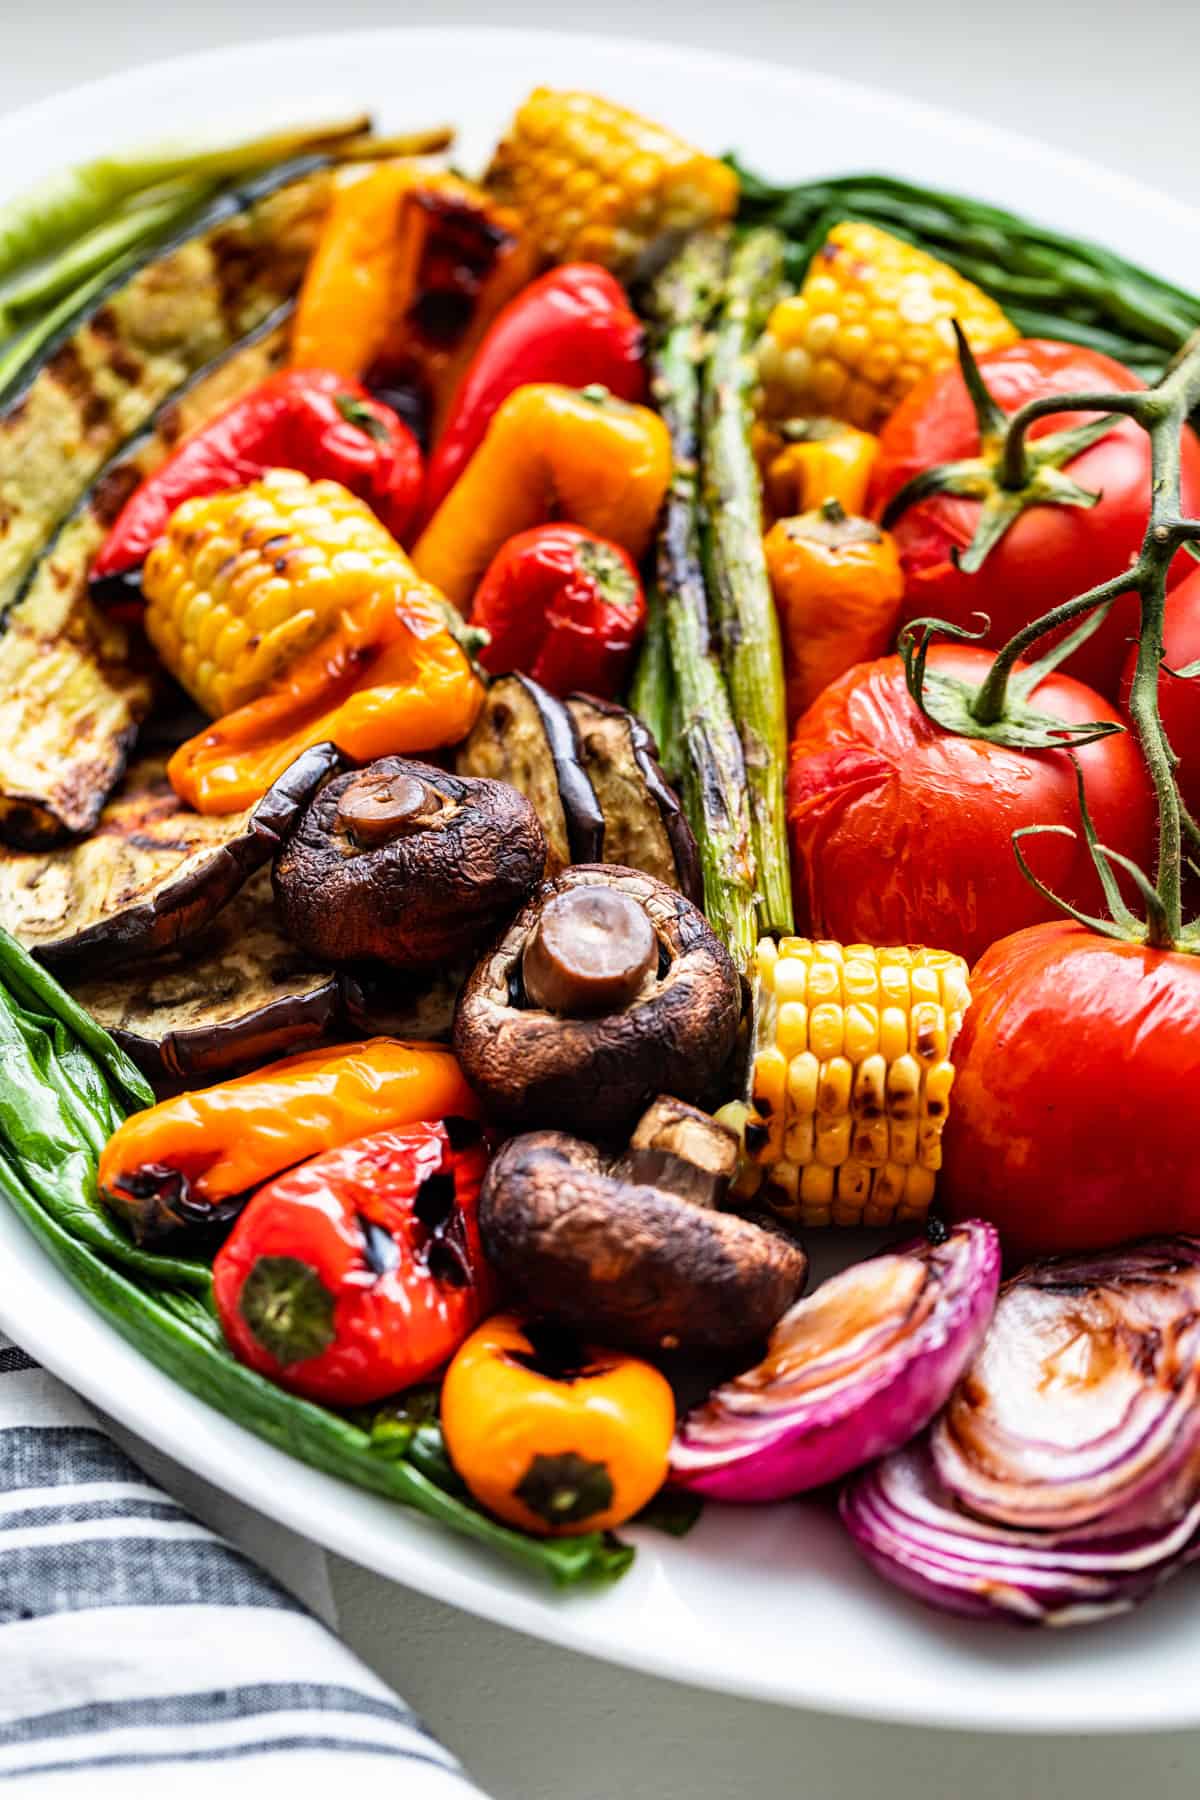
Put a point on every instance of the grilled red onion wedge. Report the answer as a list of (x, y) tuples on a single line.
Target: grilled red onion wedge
[(850, 1373), (1084, 1403), (913, 1533)]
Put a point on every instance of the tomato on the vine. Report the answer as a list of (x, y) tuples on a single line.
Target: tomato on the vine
[(1179, 700), (1073, 1123), (901, 831), (1052, 552)]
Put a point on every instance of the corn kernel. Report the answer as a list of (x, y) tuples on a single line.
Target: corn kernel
[(826, 1030), (817, 1186), (929, 1038), (832, 1145), (861, 1032), (803, 1080), (904, 1088), (791, 979), (791, 1031)]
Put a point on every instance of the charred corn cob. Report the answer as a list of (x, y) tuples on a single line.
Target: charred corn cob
[(874, 315), (598, 182), (246, 581), (850, 1079)]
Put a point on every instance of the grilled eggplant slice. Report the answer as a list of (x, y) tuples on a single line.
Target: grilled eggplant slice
[(152, 873), (644, 826), (526, 736), (235, 994), (71, 694)]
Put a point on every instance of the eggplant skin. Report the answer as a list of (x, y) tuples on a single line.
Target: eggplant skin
[(525, 736), (644, 825), (153, 873), (72, 692), (432, 894)]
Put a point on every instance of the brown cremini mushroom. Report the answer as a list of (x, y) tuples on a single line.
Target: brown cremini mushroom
[(405, 864), (578, 1015), (587, 1244)]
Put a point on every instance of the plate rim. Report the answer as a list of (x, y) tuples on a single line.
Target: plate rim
[(204, 1434)]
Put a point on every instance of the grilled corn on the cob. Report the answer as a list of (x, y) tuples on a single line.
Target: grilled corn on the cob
[(850, 1079), (874, 315), (246, 581), (598, 182)]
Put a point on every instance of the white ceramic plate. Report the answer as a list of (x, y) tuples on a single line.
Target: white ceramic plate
[(770, 1603)]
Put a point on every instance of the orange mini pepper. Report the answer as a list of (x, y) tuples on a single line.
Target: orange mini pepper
[(348, 299), (191, 1160), (554, 1436), (838, 585), (550, 452), (820, 460)]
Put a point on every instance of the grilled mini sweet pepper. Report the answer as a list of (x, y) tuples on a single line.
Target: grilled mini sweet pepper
[(360, 1272), (287, 611), (550, 452), (307, 419), (564, 606), (575, 325), (838, 585), (806, 462), (552, 1435), (192, 1160), (410, 269)]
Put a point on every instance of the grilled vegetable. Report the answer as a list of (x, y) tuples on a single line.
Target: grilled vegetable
[(359, 1273), (745, 618), (411, 268), (851, 1373), (289, 602), (1049, 284), (607, 988), (527, 737), (549, 452), (60, 1057), (564, 606), (808, 462), (236, 993), (597, 181), (307, 419), (70, 697), (594, 1246), (407, 865), (190, 1161), (838, 586), (152, 873), (574, 325), (710, 750), (1060, 1484), (644, 827), (874, 316), (850, 1078)]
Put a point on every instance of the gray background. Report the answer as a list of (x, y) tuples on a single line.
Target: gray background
[(1110, 80)]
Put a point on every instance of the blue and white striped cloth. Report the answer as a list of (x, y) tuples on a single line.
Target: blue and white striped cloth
[(140, 1653)]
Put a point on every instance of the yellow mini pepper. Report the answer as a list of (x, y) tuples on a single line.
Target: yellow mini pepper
[(550, 452)]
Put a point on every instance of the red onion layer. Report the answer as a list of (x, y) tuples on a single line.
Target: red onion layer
[(850, 1373)]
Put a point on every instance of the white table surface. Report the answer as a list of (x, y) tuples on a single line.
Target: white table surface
[(533, 1722)]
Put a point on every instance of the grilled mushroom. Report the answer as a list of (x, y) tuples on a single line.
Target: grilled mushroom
[(607, 987), (152, 874), (405, 864), (618, 1251)]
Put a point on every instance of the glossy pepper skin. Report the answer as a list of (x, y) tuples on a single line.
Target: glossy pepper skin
[(360, 1272), (807, 462), (574, 325), (564, 606), (555, 1436), (550, 452), (191, 1160), (838, 586), (308, 419)]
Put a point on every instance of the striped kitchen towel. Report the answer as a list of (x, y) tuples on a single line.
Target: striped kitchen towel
[(142, 1654)]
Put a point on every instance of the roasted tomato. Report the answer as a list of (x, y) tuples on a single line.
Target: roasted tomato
[(1052, 552), (1179, 701), (1074, 1116), (360, 1272), (901, 831)]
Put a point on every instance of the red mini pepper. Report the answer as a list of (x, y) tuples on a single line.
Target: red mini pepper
[(307, 419), (574, 326), (563, 606), (360, 1272)]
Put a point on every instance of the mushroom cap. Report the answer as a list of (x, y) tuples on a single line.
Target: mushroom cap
[(599, 1073), (456, 868), (628, 1262)]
